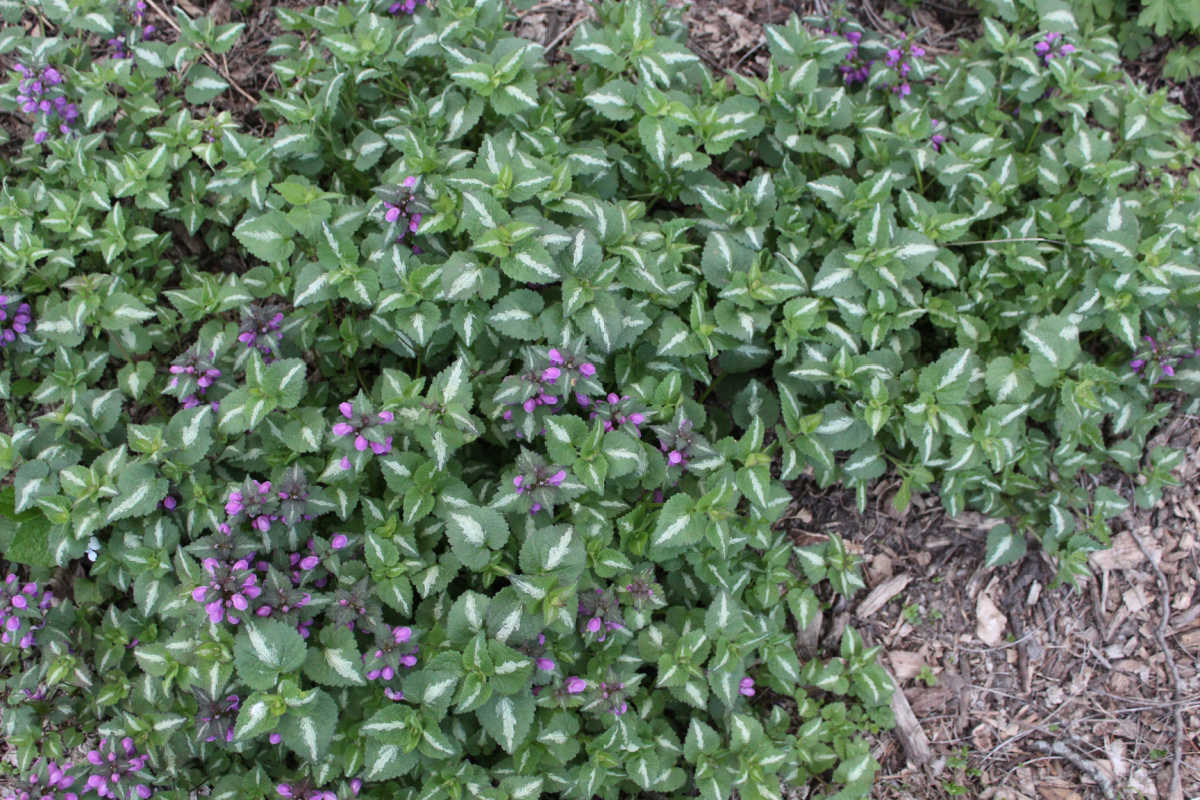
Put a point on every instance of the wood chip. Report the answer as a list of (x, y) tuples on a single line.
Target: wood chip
[(989, 622), (882, 593), (1124, 553), (906, 664)]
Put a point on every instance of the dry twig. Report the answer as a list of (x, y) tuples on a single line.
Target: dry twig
[(212, 62), (1175, 792), (1060, 749)]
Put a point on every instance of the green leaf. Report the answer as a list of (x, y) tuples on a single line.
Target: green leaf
[(263, 649), (676, 527), (514, 314), (204, 84), (284, 380), (555, 548), (1053, 344), (255, 717), (614, 100), (190, 433), (24, 538), (1003, 546), (472, 530), (308, 729), (138, 493), (507, 719), (267, 236)]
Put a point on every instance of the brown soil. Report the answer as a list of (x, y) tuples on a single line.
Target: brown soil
[(998, 668)]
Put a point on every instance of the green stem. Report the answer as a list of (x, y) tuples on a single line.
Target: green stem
[(710, 387)]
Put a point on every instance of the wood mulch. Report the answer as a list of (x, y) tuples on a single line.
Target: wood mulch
[(1016, 690)]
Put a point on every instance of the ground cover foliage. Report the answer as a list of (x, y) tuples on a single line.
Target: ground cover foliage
[(433, 444)]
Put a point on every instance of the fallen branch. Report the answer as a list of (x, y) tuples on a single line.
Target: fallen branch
[(1175, 792), (908, 727), (1060, 749)]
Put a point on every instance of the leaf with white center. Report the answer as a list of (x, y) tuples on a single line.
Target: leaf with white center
[(557, 547), (139, 493), (624, 454), (724, 616), (508, 719), (1003, 546), (613, 100), (307, 730), (472, 530), (344, 667), (254, 718), (267, 236)]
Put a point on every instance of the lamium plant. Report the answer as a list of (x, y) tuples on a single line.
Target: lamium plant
[(428, 432)]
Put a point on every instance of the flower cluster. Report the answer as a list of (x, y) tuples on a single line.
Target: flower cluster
[(21, 611), (612, 697), (856, 68), (601, 613), (405, 6), (260, 328), (359, 426), (286, 600), (365, 429), (292, 491), (746, 687), (356, 607), (118, 778), (191, 376), (34, 96), (257, 501), (680, 443), (642, 590), (536, 649), (1167, 355), (230, 589), (215, 716), (616, 411), (1045, 48), (937, 140), (18, 324), (547, 381), (897, 60), (541, 479), (44, 781), (402, 208), (390, 655), (145, 31)]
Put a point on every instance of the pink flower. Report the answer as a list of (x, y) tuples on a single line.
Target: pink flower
[(575, 685), (339, 541)]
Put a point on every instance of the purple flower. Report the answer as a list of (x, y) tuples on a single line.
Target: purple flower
[(120, 768), (339, 541), (746, 687), (19, 324), (575, 685)]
